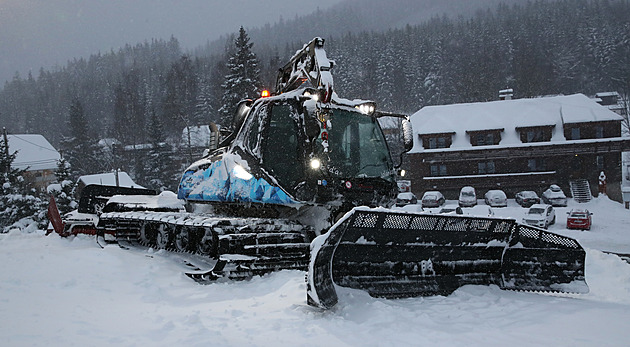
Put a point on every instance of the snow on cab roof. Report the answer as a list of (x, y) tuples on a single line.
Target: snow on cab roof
[(507, 116), (34, 152)]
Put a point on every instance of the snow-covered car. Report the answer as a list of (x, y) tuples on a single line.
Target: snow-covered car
[(451, 209), (480, 211), (467, 197), (554, 196), (540, 215), (406, 198), (527, 198), (579, 219), (496, 198), (432, 199), (413, 208)]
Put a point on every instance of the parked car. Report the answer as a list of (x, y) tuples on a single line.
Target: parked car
[(554, 196), (579, 219), (432, 199), (480, 211), (406, 198), (452, 209), (467, 197), (496, 198), (527, 198), (540, 215)]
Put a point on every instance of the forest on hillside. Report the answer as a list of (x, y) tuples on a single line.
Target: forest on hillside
[(539, 48)]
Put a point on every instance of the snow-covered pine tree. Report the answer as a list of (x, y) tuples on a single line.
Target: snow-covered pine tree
[(62, 191), (203, 108), (19, 208), (242, 80), (161, 169)]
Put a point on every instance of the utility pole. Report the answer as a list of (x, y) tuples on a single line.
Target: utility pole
[(6, 147)]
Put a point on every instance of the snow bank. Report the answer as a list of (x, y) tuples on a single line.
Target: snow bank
[(70, 292)]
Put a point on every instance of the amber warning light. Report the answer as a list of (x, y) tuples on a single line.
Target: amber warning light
[(265, 94)]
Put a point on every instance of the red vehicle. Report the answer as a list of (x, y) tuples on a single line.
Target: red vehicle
[(579, 219)]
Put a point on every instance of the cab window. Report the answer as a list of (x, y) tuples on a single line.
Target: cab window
[(281, 150)]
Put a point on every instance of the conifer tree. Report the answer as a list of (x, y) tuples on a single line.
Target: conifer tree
[(203, 107), (243, 78), (79, 147), (19, 208), (63, 195), (161, 168)]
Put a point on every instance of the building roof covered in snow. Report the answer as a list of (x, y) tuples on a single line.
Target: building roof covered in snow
[(34, 152), (507, 116), (109, 179)]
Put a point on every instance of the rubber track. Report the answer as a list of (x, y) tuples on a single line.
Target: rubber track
[(268, 235)]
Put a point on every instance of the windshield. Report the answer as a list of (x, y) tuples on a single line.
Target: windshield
[(357, 147), (536, 211), (467, 194)]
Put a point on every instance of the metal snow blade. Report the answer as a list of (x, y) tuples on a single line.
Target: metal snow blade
[(241, 267), (393, 255)]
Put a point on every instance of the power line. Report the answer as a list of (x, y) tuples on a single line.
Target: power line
[(35, 144)]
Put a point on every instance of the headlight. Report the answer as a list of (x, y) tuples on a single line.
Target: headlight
[(315, 164)]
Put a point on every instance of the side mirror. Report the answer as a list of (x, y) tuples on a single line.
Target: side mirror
[(407, 130), (242, 109)]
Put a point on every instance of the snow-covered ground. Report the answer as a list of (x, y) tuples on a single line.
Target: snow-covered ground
[(56, 291)]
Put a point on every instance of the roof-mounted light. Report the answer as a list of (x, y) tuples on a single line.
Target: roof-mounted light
[(265, 94), (367, 108)]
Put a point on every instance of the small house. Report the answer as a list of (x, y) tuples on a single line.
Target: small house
[(35, 155)]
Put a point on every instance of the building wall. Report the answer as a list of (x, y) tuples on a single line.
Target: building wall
[(40, 179), (512, 173)]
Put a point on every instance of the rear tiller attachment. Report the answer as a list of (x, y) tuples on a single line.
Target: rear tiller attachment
[(394, 255)]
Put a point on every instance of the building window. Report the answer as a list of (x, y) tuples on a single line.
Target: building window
[(436, 142), (575, 133), (599, 132), (441, 142), (536, 164), (485, 167), (485, 138), (535, 134), (438, 170), (600, 162)]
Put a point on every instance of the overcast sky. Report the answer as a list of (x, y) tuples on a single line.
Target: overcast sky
[(36, 33)]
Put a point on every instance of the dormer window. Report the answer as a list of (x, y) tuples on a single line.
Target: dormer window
[(575, 133), (599, 131), (592, 130), (435, 141), (485, 137), (535, 134)]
